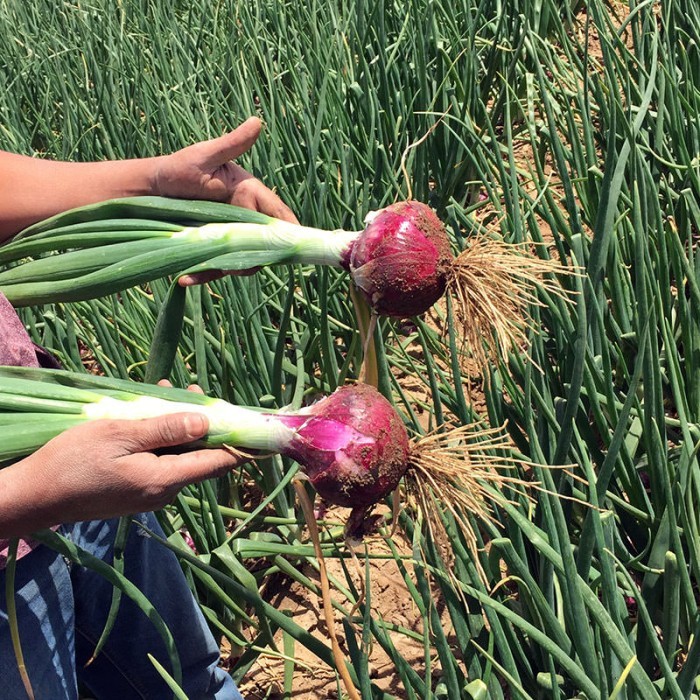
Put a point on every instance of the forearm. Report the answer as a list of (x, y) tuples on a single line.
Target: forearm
[(32, 189), (23, 508)]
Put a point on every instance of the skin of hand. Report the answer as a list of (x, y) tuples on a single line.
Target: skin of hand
[(106, 468), (206, 170)]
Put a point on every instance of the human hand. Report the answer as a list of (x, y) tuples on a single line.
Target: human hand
[(107, 468), (205, 171)]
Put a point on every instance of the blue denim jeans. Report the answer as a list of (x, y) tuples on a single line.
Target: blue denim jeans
[(62, 609)]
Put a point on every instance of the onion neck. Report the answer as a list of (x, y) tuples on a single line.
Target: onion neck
[(304, 244), (236, 426)]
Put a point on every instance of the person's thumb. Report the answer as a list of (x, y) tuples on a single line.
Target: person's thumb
[(229, 146), (168, 431)]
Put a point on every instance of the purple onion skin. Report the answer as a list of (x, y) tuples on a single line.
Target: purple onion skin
[(352, 444), (401, 260)]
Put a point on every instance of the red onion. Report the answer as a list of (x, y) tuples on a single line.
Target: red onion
[(352, 444), (400, 262)]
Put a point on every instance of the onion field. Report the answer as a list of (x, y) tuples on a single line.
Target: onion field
[(566, 562)]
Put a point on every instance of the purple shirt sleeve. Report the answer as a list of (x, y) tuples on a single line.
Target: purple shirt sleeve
[(17, 349)]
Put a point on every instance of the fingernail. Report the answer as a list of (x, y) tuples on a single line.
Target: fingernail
[(196, 425)]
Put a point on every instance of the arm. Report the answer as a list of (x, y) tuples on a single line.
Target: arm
[(34, 189), (71, 478), (104, 469)]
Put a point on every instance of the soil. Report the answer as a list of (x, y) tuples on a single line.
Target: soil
[(390, 601)]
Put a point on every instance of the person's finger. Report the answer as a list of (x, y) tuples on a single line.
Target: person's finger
[(209, 275), (269, 203), (192, 387), (192, 467), (220, 150), (251, 193), (167, 431), (200, 278)]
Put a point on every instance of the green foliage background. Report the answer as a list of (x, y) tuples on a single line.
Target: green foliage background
[(575, 124)]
